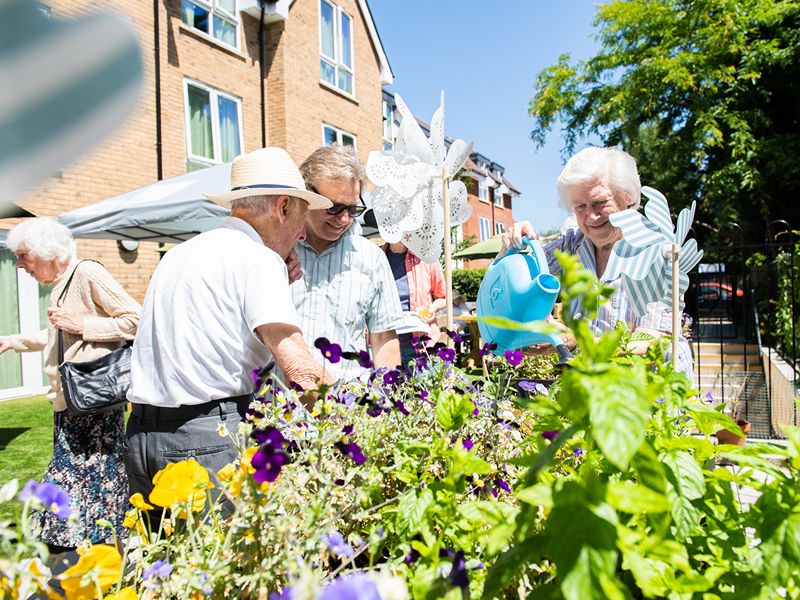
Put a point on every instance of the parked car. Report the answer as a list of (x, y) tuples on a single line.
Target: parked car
[(712, 292)]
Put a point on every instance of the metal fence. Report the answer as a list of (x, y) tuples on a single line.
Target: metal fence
[(744, 307)]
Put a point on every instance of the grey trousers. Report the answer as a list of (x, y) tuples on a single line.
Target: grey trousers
[(158, 436)]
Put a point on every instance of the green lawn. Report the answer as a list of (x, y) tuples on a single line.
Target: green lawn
[(26, 443)]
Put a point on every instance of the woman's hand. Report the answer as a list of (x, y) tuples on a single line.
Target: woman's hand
[(293, 267), (65, 320), (4, 344), (513, 236)]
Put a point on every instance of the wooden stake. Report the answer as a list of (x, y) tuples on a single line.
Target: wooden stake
[(676, 316), (448, 267)]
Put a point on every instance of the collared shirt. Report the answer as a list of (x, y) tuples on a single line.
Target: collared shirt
[(346, 290), (618, 307), (197, 338)]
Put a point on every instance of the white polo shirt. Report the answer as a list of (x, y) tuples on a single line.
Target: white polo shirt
[(197, 338)]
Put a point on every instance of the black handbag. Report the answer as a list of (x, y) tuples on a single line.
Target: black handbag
[(97, 386)]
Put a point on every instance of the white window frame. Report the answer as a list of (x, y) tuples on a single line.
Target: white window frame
[(499, 227), (213, 9), (485, 228), (483, 190), (336, 61), (498, 197), (213, 94), (388, 125), (339, 134), (32, 362)]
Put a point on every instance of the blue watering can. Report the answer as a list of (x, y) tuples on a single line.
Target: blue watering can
[(519, 287)]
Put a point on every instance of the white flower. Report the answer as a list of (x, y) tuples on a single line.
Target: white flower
[(222, 431), (407, 199)]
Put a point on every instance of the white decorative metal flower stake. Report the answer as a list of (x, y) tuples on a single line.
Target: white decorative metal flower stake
[(652, 259), (408, 204)]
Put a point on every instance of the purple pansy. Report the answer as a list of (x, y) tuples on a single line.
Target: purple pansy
[(659, 401), (350, 587), (448, 355), (347, 398), (401, 407), (51, 496), (347, 430), (160, 569), (284, 594), (270, 457), (330, 351), (488, 348), (365, 360), (550, 434), (532, 387), (259, 376), (503, 485), (709, 397), (338, 546), (352, 450), (578, 452), (513, 358), (467, 443), (453, 335), (458, 573), (391, 377)]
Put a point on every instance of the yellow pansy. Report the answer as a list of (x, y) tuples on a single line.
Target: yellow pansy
[(226, 473), (100, 563), (180, 482), (126, 593), (137, 500)]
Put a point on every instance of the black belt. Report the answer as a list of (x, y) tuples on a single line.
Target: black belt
[(221, 407)]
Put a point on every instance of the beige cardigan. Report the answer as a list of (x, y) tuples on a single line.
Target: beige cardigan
[(110, 318)]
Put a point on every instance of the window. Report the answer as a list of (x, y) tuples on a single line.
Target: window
[(499, 228), (213, 126), (334, 135), (336, 47), (483, 190), (498, 196), (21, 312), (486, 228), (388, 126), (216, 18)]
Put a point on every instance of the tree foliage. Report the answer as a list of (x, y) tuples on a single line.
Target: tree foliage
[(704, 93)]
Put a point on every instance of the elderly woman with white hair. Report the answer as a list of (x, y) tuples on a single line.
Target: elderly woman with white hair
[(95, 316), (596, 183)]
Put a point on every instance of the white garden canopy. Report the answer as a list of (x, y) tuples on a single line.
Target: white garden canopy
[(170, 210)]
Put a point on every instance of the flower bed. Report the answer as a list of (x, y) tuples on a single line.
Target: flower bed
[(427, 483)]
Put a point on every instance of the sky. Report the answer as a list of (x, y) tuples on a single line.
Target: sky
[(486, 55)]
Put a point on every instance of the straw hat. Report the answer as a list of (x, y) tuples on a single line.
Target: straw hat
[(267, 172)]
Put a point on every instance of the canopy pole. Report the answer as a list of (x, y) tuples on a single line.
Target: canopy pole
[(448, 267), (676, 318)]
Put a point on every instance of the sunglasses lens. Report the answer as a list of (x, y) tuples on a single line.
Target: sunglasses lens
[(352, 211)]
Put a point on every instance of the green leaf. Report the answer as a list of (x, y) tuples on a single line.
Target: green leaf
[(618, 411), (452, 409), (468, 463), (780, 540), (628, 497), (540, 494), (508, 566), (411, 510), (585, 553), (648, 468), (494, 519), (686, 475)]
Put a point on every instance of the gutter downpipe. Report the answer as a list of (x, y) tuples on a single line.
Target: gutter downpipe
[(261, 71)]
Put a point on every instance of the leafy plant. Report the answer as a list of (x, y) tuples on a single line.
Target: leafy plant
[(467, 281)]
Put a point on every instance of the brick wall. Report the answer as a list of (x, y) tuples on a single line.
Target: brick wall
[(296, 105)]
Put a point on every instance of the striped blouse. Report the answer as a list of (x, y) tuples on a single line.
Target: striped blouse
[(618, 307)]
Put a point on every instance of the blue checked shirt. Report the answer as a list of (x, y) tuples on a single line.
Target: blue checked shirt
[(346, 290), (618, 308)]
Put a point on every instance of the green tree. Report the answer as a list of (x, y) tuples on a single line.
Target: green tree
[(704, 93)]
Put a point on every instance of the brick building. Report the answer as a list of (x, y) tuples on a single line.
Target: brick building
[(203, 101)]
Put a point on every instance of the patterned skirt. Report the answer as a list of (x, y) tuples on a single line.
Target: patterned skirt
[(87, 463)]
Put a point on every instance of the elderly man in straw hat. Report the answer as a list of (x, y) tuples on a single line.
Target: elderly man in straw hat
[(218, 307)]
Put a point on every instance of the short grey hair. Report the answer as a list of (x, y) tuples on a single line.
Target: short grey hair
[(259, 204), (333, 163), (43, 237), (611, 167)]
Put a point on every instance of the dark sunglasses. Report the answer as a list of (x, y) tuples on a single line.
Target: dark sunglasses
[(337, 208)]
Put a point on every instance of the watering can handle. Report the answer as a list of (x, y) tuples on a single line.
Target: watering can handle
[(537, 252)]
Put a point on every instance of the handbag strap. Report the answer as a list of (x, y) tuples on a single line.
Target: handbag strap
[(58, 302)]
